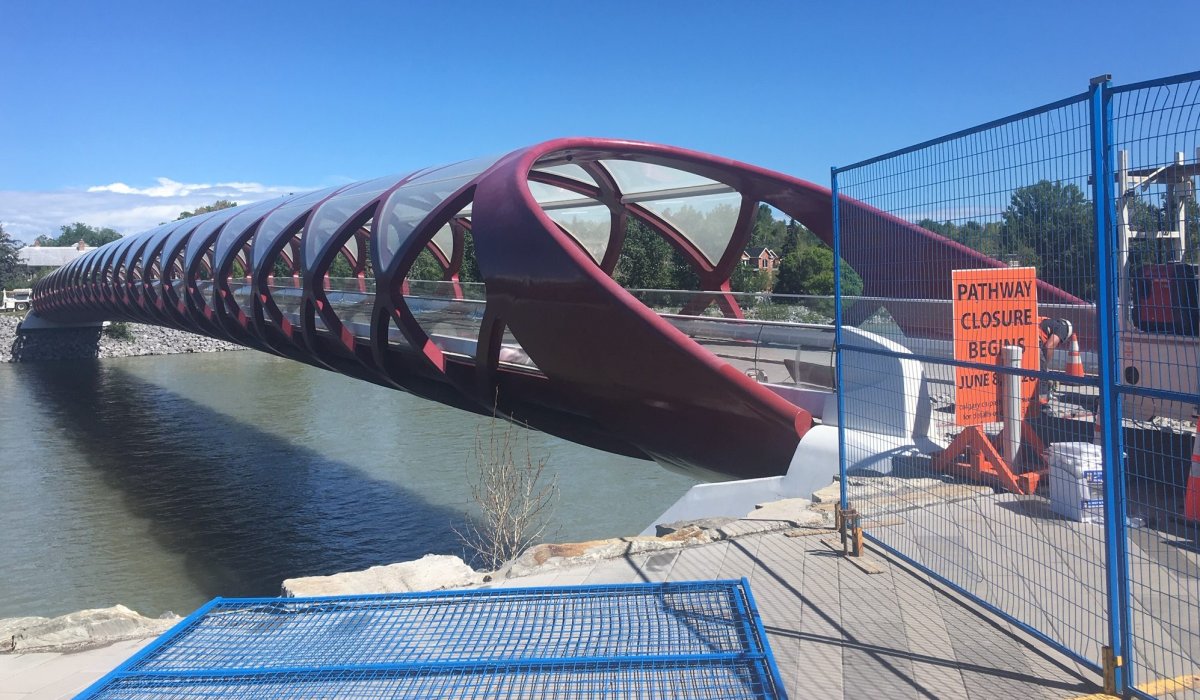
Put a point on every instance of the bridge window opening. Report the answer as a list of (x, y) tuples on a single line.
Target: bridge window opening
[(135, 272), (349, 283), (278, 238), (647, 260), (174, 275), (426, 268), (409, 205), (240, 286), (206, 263), (154, 276), (442, 289), (343, 223), (512, 354), (106, 274), (232, 251), (285, 289), (341, 275)]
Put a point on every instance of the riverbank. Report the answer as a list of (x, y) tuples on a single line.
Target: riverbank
[(117, 340), (91, 629), (836, 626)]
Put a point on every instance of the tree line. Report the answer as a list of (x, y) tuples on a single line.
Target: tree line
[(1047, 225)]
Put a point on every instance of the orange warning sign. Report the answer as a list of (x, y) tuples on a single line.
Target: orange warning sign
[(993, 308)]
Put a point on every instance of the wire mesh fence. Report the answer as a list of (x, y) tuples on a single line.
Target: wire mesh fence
[(1155, 144), (698, 639), (984, 401)]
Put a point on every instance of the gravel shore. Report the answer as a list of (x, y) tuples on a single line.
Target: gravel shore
[(79, 343)]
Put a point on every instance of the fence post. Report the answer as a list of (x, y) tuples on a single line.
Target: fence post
[(1117, 654), (837, 340)]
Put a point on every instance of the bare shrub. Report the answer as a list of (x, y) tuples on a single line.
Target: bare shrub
[(514, 496)]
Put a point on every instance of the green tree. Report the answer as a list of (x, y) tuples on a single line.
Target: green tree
[(645, 258), (1049, 225), (984, 238), (70, 235), (768, 232), (281, 269), (12, 271), (215, 206), (426, 267), (791, 240), (749, 280), (810, 271), (469, 270), (340, 267)]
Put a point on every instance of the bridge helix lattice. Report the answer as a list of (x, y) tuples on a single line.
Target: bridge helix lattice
[(545, 334)]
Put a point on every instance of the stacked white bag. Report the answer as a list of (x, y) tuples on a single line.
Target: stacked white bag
[(1077, 481)]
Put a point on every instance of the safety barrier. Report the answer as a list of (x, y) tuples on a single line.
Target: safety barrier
[(1061, 425), (702, 639)]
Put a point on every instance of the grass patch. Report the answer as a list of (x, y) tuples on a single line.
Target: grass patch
[(119, 331)]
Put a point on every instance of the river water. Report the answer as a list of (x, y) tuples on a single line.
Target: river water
[(160, 482)]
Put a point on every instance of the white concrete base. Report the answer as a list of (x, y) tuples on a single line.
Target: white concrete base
[(33, 322), (887, 407)]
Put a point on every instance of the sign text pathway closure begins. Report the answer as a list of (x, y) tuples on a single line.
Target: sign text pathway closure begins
[(992, 308)]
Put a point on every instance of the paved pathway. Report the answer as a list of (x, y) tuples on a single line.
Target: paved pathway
[(52, 676), (837, 632)]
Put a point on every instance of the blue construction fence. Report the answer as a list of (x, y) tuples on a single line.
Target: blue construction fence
[(702, 639), (1038, 450)]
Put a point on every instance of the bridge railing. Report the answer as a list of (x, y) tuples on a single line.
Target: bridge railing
[(795, 359)]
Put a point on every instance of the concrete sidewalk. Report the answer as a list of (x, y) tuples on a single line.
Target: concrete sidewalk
[(839, 632), (50, 676), (836, 631)]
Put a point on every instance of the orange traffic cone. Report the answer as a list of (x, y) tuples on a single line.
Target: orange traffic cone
[(1191, 503), (1074, 359)]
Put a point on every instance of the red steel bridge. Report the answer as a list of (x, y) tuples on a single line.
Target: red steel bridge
[(548, 338)]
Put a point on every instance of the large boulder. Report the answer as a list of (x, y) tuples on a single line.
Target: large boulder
[(432, 572), (548, 557), (77, 631)]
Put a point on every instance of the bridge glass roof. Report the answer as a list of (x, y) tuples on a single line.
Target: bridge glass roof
[(333, 214), (240, 222), (281, 219), (707, 220), (591, 226), (701, 210), (411, 203), (443, 240), (199, 241), (569, 171)]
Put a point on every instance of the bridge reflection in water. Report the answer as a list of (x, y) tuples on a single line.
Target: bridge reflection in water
[(547, 337)]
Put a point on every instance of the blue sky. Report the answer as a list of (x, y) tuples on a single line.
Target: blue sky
[(157, 107)]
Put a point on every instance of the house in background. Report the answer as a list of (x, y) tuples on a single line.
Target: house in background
[(762, 259), (41, 260)]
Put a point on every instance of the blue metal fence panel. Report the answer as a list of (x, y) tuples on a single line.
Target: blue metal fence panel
[(1154, 150), (1098, 193), (685, 639), (1109, 404), (1017, 190)]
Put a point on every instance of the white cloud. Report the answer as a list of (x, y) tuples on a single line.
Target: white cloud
[(27, 214)]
